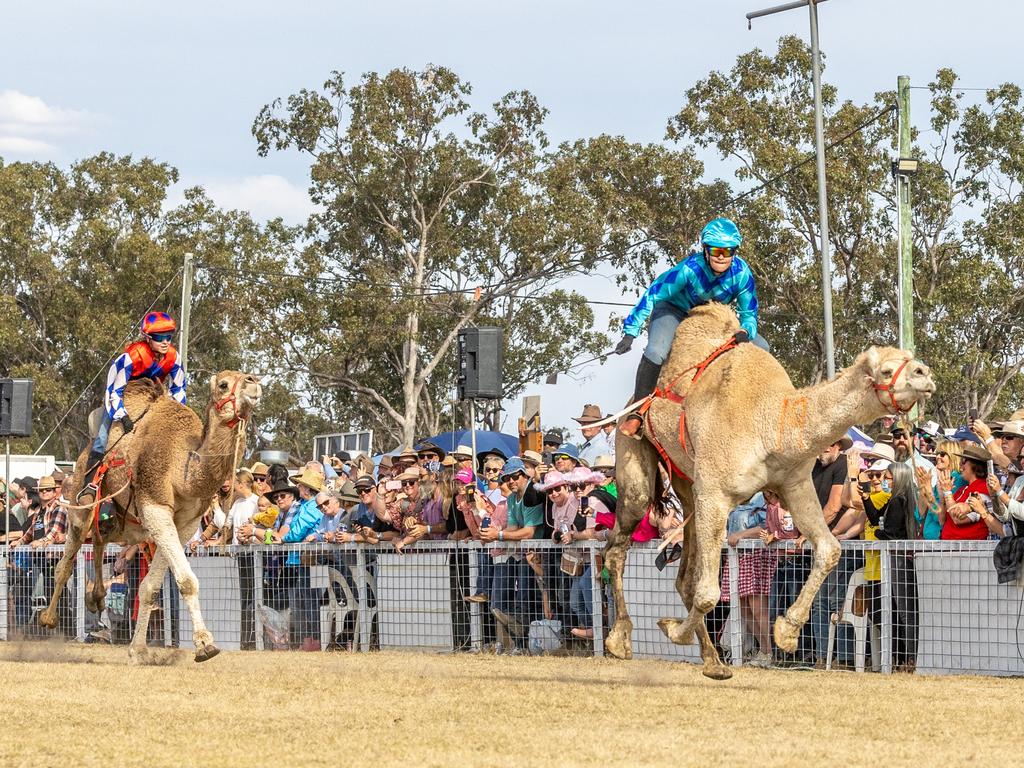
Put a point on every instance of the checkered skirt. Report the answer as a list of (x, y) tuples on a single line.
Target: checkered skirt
[(757, 569)]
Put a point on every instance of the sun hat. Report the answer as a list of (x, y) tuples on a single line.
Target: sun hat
[(591, 413), (973, 452), (567, 449), (513, 466), (309, 478), (552, 438), (348, 492), (463, 452), (532, 458), (1010, 429), (431, 448), (364, 481), (282, 487), (47, 484), (604, 462), (553, 479), (259, 468), (409, 474)]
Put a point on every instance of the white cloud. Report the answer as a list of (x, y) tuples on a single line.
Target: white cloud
[(266, 197), (26, 122)]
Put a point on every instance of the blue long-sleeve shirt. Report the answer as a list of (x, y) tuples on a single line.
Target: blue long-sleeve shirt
[(303, 524), (691, 283)]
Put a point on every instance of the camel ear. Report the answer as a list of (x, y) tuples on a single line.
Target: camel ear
[(213, 384), (872, 358)]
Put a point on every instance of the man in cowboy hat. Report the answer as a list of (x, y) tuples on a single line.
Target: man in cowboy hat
[(429, 452), (463, 456), (46, 526), (595, 441)]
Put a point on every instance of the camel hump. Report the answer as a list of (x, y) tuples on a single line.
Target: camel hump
[(145, 390), (716, 320)]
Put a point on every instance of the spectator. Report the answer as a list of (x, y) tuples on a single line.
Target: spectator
[(756, 571), (406, 460), (463, 456), (902, 444), (301, 598), (1011, 441), (595, 442), (235, 529), (46, 526), (606, 466), (560, 567), (361, 517), (596, 517), (609, 433), (260, 484), (929, 498), (871, 483), (566, 458), (792, 564), (428, 452), (492, 471), (533, 462), (829, 478), (551, 441), (967, 513), (21, 487), (515, 593), (244, 507), (479, 513), (893, 520)]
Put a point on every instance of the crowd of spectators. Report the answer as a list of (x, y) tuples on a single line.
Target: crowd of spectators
[(911, 483)]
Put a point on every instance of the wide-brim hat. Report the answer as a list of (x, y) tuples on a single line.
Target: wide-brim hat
[(386, 462), (463, 452), (602, 463), (259, 468), (47, 484), (973, 452), (881, 451), (448, 461), (349, 492), (407, 455), (364, 481), (282, 486), (591, 413), (409, 474), (309, 478), (532, 457), (1011, 429), (552, 438), (845, 443), (431, 448), (880, 465)]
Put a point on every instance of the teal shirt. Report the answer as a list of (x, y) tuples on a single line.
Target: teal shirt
[(931, 529), (520, 516)]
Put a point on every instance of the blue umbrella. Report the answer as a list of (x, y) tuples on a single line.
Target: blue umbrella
[(485, 441)]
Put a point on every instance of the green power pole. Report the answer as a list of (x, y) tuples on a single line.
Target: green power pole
[(186, 310), (906, 260)]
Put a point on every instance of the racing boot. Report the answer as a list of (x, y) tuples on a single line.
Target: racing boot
[(88, 493), (646, 380)]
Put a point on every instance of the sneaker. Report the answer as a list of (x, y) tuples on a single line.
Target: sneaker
[(480, 598), (499, 649), (516, 651), (762, 660)]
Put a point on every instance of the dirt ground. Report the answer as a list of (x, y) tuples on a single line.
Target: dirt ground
[(84, 705)]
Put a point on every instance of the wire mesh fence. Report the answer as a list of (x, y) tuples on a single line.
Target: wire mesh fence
[(927, 606)]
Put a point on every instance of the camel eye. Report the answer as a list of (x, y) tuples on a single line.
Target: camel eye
[(223, 385)]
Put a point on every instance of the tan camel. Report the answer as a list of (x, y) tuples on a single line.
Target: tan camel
[(173, 466), (748, 428)]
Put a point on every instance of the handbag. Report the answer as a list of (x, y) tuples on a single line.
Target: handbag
[(572, 564)]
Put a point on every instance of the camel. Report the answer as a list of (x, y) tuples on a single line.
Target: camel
[(174, 465), (747, 429)]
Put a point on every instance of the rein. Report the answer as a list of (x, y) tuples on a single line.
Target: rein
[(888, 388)]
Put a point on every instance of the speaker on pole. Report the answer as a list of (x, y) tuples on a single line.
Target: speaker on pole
[(15, 407), (480, 362)]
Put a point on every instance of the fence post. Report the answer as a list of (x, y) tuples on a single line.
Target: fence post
[(476, 619), (735, 613), (165, 598), (257, 595), (3, 593), (79, 597), (886, 598), (364, 627), (597, 598)]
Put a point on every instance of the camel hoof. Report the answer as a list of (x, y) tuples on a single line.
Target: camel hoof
[(674, 631), (206, 652), (48, 619), (618, 644), (720, 672), (786, 634), (138, 656)]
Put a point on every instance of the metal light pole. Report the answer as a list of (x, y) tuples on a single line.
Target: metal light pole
[(819, 143)]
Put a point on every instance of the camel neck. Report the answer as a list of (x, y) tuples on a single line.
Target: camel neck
[(816, 417), (214, 459)]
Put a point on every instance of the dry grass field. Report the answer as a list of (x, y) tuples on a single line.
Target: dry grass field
[(83, 705)]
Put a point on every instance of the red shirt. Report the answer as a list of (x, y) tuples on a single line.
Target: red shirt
[(976, 530)]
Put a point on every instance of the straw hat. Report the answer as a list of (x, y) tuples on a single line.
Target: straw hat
[(310, 479)]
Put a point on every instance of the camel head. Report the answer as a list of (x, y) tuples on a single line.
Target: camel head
[(899, 379), (233, 395)]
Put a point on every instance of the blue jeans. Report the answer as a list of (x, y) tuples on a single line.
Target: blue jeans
[(100, 443), (484, 573), (304, 603), (827, 602), (661, 332), (789, 578), (581, 600), (514, 590)]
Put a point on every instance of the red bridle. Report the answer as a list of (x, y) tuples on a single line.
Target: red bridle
[(888, 388), (230, 398)]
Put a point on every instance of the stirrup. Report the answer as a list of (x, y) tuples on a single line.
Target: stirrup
[(633, 426), (91, 489)]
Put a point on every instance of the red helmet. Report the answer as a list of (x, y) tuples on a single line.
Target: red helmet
[(158, 322)]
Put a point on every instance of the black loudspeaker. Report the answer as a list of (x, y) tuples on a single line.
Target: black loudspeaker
[(15, 407), (480, 361)]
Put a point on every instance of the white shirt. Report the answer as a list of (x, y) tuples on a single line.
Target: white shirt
[(241, 512), (596, 446)]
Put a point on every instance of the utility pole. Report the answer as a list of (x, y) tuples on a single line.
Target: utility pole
[(186, 309), (819, 144), (906, 253)]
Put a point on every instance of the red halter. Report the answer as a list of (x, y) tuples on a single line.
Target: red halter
[(230, 398), (888, 388)]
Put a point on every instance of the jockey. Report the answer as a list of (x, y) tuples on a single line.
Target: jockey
[(714, 273), (153, 357)]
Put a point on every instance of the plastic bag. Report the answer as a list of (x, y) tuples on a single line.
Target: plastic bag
[(275, 627)]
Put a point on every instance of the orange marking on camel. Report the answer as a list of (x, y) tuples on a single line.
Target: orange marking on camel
[(792, 423)]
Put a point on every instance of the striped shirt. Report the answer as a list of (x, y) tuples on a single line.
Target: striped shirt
[(118, 376), (691, 283)]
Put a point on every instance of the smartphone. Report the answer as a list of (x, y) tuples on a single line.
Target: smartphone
[(865, 487), (972, 415), (392, 485), (584, 504), (991, 468), (470, 492)]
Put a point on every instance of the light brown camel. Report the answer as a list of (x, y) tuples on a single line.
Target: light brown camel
[(748, 428), (176, 466)]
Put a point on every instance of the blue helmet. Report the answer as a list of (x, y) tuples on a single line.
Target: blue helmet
[(721, 233)]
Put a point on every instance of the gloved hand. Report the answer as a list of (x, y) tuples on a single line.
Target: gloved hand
[(741, 336), (127, 424), (624, 345)]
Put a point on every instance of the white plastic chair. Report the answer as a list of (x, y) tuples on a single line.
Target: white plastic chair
[(860, 622), (364, 627), (333, 614)]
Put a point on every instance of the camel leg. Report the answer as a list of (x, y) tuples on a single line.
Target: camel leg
[(160, 522), (636, 466), (148, 591), (685, 584), (709, 530), (95, 600), (801, 500), (62, 573)]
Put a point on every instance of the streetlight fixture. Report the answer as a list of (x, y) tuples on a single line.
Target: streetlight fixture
[(905, 166), (819, 145)]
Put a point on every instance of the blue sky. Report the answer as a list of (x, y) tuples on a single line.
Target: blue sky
[(182, 82)]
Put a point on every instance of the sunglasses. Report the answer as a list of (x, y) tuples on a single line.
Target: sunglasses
[(429, 457), (259, 478), (365, 490), (161, 337), (558, 456), (408, 483), (943, 454), (874, 475), (492, 470), (47, 490), (323, 507)]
